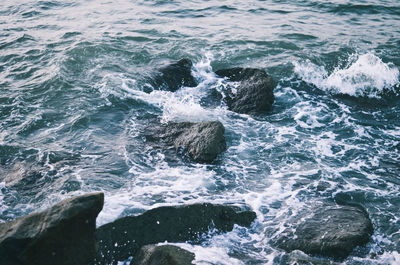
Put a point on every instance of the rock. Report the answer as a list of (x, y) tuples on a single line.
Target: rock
[(63, 234), (253, 95), (124, 237), (174, 76), (163, 255), (202, 141), (331, 231)]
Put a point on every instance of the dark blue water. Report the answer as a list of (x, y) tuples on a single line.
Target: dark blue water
[(73, 112)]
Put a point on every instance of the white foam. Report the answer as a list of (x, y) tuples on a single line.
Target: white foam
[(387, 258), (210, 255), (272, 193), (163, 186), (181, 105), (203, 72), (185, 106), (307, 116), (365, 75), (3, 207)]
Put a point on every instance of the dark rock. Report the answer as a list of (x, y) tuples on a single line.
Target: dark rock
[(124, 237), (63, 234), (332, 231), (163, 255), (174, 76), (253, 95), (202, 141)]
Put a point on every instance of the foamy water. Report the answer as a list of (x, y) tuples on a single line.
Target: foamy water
[(75, 104), (364, 75)]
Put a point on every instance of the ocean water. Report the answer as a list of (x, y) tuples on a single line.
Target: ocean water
[(75, 102)]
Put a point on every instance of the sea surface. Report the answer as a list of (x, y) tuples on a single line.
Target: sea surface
[(75, 102)]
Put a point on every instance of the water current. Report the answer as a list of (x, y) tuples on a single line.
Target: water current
[(74, 103)]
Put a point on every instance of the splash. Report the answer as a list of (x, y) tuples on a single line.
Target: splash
[(364, 76), (2, 206)]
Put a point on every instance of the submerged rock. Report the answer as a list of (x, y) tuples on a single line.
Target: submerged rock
[(174, 76), (332, 231), (163, 255), (202, 141), (63, 234), (124, 237), (253, 95)]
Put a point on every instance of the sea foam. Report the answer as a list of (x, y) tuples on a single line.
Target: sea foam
[(364, 76)]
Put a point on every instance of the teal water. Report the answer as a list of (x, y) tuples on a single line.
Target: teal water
[(73, 112)]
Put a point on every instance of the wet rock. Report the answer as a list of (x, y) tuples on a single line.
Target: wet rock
[(254, 93), (124, 237), (202, 141), (331, 231), (174, 76), (63, 234), (163, 255)]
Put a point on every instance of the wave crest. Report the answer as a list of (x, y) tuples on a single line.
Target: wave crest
[(364, 76)]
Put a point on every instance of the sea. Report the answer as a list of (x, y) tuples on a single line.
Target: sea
[(75, 103)]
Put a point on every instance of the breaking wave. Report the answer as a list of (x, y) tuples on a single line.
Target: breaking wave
[(363, 76)]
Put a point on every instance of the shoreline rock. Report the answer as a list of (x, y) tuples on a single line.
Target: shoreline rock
[(253, 95), (331, 231), (57, 235), (202, 141), (173, 76), (124, 237), (163, 255)]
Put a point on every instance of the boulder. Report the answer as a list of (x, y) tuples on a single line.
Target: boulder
[(332, 231), (254, 93), (63, 234), (202, 141), (124, 237), (163, 255), (174, 76)]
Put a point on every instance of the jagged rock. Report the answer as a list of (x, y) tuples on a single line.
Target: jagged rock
[(174, 76), (63, 234), (331, 231), (163, 255), (254, 93), (124, 237), (202, 141)]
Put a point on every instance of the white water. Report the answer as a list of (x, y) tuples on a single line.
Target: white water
[(364, 75)]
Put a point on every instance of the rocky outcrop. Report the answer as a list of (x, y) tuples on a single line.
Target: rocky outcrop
[(124, 237), (202, 141), (332, 231), (63, 234), (163, 255), (254, 93), (174, 76)]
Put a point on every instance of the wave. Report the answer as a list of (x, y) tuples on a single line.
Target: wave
[(364, 76)]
